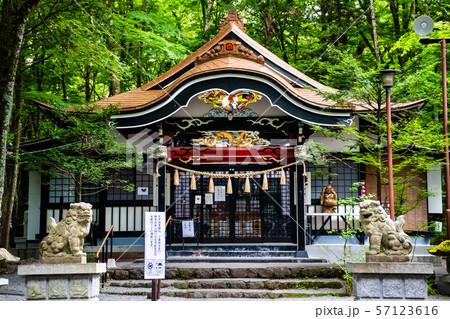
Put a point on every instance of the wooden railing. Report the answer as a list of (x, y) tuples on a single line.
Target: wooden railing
[(103, 243)]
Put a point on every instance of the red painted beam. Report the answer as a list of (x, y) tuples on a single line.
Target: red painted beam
[(195, 155)]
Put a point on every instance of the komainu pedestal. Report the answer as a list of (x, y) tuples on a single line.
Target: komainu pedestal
[(62, 281), (390, 280), (63, 273), (387, 273)]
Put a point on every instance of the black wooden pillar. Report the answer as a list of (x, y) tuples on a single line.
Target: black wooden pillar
[(162, 189), (156, 283), (301, 229)]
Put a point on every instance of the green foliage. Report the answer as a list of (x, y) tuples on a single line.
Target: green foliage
[(431, 285), (73, 48), (417, 139), (443, 249), (73, 51), (86, 151), (349, 232)]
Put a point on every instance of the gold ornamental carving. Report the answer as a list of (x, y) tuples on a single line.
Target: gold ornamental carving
[(230, 138), (229, 48)]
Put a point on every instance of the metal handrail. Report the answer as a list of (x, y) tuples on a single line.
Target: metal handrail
[(317, 221), (104, 240)]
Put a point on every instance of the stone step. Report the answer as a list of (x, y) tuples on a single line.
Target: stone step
[(233, 248), (235, 254), (135, 271), (240, 259), (233, 251), (237, 259), (234, 293), (229, 281), (231, 288), (235, 283)]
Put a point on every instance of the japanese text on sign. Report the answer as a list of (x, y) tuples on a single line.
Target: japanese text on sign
[(188, 228), (155, 245)]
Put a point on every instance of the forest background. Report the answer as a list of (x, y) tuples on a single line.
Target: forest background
[(70, 52)]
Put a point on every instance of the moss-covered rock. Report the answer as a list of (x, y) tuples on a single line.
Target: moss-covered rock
[(443, 249)]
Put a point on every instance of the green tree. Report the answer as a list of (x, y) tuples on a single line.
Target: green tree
[(14, 18), (85, 151), (417, 141)]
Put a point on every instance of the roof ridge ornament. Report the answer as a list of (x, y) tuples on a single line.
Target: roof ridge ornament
[(229, 48), (232, 17)]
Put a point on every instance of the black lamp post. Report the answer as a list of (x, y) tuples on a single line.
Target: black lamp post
[(387, 81)]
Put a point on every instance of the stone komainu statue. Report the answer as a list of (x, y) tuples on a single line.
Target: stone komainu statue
[(385, 235), (69, 233)]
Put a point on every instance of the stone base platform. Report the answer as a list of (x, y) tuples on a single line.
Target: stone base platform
[(62, 281), (69, 259), (387, 258), (390, 280)]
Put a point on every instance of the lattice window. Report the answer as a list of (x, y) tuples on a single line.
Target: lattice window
[(121, 194), (91, 193), (144, 178), (242, 215), (216, 216), (248, 209), (347, 174), (277, 220), (61, 187), (182, 196), (140, 177)]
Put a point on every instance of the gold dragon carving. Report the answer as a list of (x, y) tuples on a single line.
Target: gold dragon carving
[(233, 138)]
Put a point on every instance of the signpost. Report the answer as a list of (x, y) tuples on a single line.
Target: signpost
[(155, 248)]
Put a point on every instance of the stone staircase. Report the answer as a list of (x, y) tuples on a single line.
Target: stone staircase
[(229, 281), (258, 253)]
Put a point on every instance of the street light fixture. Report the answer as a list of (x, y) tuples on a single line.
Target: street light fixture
[(387, 81)]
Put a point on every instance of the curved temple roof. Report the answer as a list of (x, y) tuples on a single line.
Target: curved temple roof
[(232, 60)]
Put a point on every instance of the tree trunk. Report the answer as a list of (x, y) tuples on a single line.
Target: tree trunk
[(138, 68), (375, 33), (268, 26), (208, 15), (282, 40), (87, 87), (13, 173), (14, 17), (144, 5), (395, 17), (63, 82), (114, 87)]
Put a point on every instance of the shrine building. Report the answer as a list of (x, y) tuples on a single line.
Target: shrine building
[(225, 138)]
